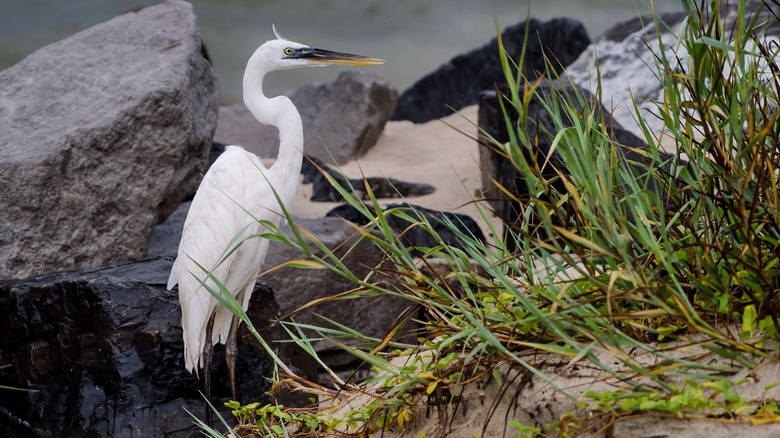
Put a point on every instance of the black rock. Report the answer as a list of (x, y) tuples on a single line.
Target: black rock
[(541, 128), (416, 236), (458, 83), (383, 188), (103, 350)]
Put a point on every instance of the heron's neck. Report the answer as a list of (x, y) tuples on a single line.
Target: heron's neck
[(279, 112)]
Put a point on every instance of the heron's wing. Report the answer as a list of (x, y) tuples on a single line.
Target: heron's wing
[(224, 213)]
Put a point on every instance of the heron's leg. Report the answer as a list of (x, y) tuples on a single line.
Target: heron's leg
[(231, 353), (208, 353)]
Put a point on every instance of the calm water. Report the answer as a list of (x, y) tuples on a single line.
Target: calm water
[(414, 36)]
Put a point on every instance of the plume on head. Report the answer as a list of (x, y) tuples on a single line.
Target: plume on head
[(278, 36)]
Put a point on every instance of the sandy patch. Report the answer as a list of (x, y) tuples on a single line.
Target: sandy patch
[(442, 153)]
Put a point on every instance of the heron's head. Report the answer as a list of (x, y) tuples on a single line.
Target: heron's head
[(282, 54)]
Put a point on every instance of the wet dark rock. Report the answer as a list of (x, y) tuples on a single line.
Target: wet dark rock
[(382, 188), (458, 83), (416, 236), (542, 129), (342, 119), (101, 136), (626, 29), (103, 348), (497, 171), (164, 239)]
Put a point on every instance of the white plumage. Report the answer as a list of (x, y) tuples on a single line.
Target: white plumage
[(235, 195), (225, 208)]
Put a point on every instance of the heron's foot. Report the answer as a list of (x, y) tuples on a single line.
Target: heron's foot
[(208, 354), (231, 353)]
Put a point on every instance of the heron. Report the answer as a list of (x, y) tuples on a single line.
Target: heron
[(234, 199)]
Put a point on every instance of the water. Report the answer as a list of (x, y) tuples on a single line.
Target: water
[(414, 36)]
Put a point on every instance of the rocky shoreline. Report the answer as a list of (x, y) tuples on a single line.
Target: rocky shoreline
[(105, 136)]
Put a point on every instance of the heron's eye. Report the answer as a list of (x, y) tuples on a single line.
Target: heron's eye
[(288, 51)]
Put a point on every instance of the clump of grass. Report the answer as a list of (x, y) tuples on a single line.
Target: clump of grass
[(640, 268), (612, 253), (727, 243)]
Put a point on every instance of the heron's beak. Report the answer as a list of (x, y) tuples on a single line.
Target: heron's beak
[(326, 57)]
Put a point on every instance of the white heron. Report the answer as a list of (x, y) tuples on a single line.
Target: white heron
[(236, 193)]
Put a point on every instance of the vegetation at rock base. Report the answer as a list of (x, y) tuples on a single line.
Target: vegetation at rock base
[(678, 261)]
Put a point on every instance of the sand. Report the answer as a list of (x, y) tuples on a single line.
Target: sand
[(442, 153)]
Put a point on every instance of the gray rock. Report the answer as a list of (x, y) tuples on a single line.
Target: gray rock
[(165, 237), (101, 136), (627, 59), (103, 349), (458, 83), (343, 118), (627, 69), (371, 317)]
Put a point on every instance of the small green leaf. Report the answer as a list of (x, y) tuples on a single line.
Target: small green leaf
[(749, 317), (304, 264)]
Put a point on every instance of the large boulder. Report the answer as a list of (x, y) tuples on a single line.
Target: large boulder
[(103, 350), (342, 119), (458, 83), (101, 136)]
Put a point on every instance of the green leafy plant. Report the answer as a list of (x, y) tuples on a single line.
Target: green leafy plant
[(523, 430), (275, 420), (713, 397)]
